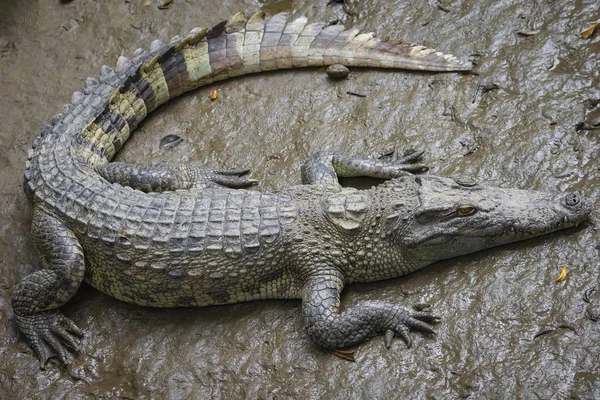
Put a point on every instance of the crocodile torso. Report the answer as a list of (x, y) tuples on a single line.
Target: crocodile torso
[(172, 235)]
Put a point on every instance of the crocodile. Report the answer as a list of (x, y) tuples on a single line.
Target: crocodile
[(184, 235)]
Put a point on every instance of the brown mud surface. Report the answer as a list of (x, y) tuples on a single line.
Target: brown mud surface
[(508, 329)]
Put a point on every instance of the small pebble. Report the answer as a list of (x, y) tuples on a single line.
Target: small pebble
[(337, 71)]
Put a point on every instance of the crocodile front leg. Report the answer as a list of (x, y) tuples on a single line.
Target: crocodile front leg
[(37, 296), (333, 330), (326, 167), (169, 177)]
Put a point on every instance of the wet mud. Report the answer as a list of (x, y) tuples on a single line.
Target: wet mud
[(527, 119)]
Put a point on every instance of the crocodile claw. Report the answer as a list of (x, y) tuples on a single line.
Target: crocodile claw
[(410, 156), (232, 178), (347, 355), (234, 182), (50, 334), (417, 320), (407, 161)]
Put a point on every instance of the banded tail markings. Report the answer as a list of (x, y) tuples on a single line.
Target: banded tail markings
[(197, 61), (117, 134), (153, 74), (91, 136), (321, 43), (302, 45), (252, 40), (235, 30), (334, 53), (217, 51), (111, 129), (233, 48), (130, 104), (290, 34), (270, 41), (175, 72)]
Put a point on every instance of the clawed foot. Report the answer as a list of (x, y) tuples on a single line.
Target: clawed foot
[(404, 321), (50, 334)]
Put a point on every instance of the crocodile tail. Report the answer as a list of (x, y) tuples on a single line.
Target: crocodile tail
[(112, 106)]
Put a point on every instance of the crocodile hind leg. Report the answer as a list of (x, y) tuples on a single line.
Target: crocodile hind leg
[(333, 330), (169, 177), (39, 294), (326, 167)]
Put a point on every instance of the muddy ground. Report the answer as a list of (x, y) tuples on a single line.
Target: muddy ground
[(508, 330)]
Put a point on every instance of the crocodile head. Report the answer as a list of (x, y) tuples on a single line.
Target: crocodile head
[(453, 217)]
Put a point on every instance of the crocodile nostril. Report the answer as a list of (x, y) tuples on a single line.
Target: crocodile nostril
[(572, 199)]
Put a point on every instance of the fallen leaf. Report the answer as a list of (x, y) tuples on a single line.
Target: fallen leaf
[(170, 141), (563, 275), (589, 31), (213, 95)]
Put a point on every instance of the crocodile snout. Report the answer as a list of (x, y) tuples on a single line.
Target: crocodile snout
[(577, 207), (572, 199)]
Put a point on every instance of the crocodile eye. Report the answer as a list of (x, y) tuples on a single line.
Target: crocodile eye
[(464, 211)]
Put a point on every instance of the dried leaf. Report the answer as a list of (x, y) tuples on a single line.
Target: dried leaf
[(528, 32), (589, 31), (170, 141), (213, 95), (563, 275)]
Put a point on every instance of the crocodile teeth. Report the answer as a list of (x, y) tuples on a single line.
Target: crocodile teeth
[(175, 39), (156, 45), (106, 74), (77, 98), (123, 64)]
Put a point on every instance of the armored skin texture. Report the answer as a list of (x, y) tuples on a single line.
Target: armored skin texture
[(173, 235)]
